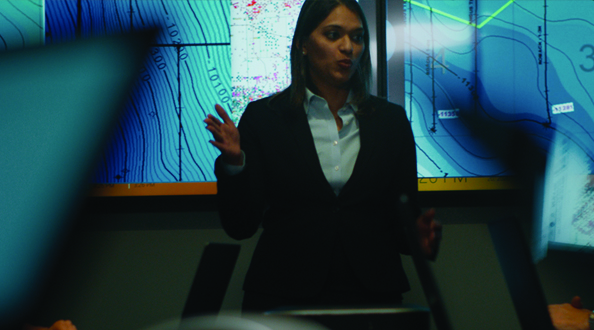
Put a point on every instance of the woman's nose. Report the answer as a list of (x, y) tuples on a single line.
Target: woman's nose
[(346, 45)]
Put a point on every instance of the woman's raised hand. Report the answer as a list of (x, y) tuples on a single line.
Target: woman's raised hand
[(226, 136)]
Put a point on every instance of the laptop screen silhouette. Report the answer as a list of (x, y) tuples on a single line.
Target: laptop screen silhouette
[(57, 107)]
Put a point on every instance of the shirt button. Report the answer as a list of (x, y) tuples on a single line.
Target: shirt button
[(336, 168), (334, 143)]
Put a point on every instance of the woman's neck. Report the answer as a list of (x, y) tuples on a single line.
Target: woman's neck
[(336, 97)]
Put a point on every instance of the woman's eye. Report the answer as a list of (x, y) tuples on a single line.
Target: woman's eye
[(358, 38), (332, 35)]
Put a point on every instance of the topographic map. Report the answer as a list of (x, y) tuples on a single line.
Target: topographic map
[(208, 52), (21, 24), (525, 64), (161, 136)]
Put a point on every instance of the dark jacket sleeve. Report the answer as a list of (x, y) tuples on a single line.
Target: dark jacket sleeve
[(241, 203), (408, 168)]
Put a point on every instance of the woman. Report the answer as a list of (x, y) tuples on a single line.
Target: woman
[(320, 166)]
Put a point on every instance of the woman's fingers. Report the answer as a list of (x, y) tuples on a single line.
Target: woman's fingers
[(225, 134), (576, 302), (223, 114), (213, 120), (216, 132)]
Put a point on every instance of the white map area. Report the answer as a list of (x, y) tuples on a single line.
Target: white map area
[(568, 206), (262, 30)]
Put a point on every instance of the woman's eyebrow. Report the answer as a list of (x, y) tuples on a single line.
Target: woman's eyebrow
[(340, 27)]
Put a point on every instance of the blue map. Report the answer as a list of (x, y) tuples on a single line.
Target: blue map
[(524, 64), (161, 135)]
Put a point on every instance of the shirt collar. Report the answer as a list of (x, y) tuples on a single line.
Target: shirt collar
[(310, 96)]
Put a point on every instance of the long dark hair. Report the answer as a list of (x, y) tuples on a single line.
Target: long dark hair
[(312, 14)]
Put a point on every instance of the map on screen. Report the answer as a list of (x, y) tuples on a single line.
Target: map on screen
[(261, 36), (21, 24), (527, 64), (568, 197), (161, 136), (208, 52), (524, 63)]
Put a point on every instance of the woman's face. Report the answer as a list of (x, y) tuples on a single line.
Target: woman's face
[(334, 48)]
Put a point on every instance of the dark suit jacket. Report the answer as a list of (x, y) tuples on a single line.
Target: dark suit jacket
[(283, 189)]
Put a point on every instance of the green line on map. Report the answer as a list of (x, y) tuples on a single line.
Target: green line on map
[(437, 11)]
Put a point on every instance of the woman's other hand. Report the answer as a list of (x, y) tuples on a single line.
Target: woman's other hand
[(570, 316), (429, 233), (58, 325)]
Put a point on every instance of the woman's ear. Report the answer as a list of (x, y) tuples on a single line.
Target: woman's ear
[(303, 47)]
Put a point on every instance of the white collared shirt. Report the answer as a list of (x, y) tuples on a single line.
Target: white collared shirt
[(337, 150)]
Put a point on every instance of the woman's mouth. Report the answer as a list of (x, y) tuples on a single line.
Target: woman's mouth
[(345, 64)]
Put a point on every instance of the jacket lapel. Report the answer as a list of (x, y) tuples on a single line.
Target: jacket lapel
[(368, 137), (295, 120)]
